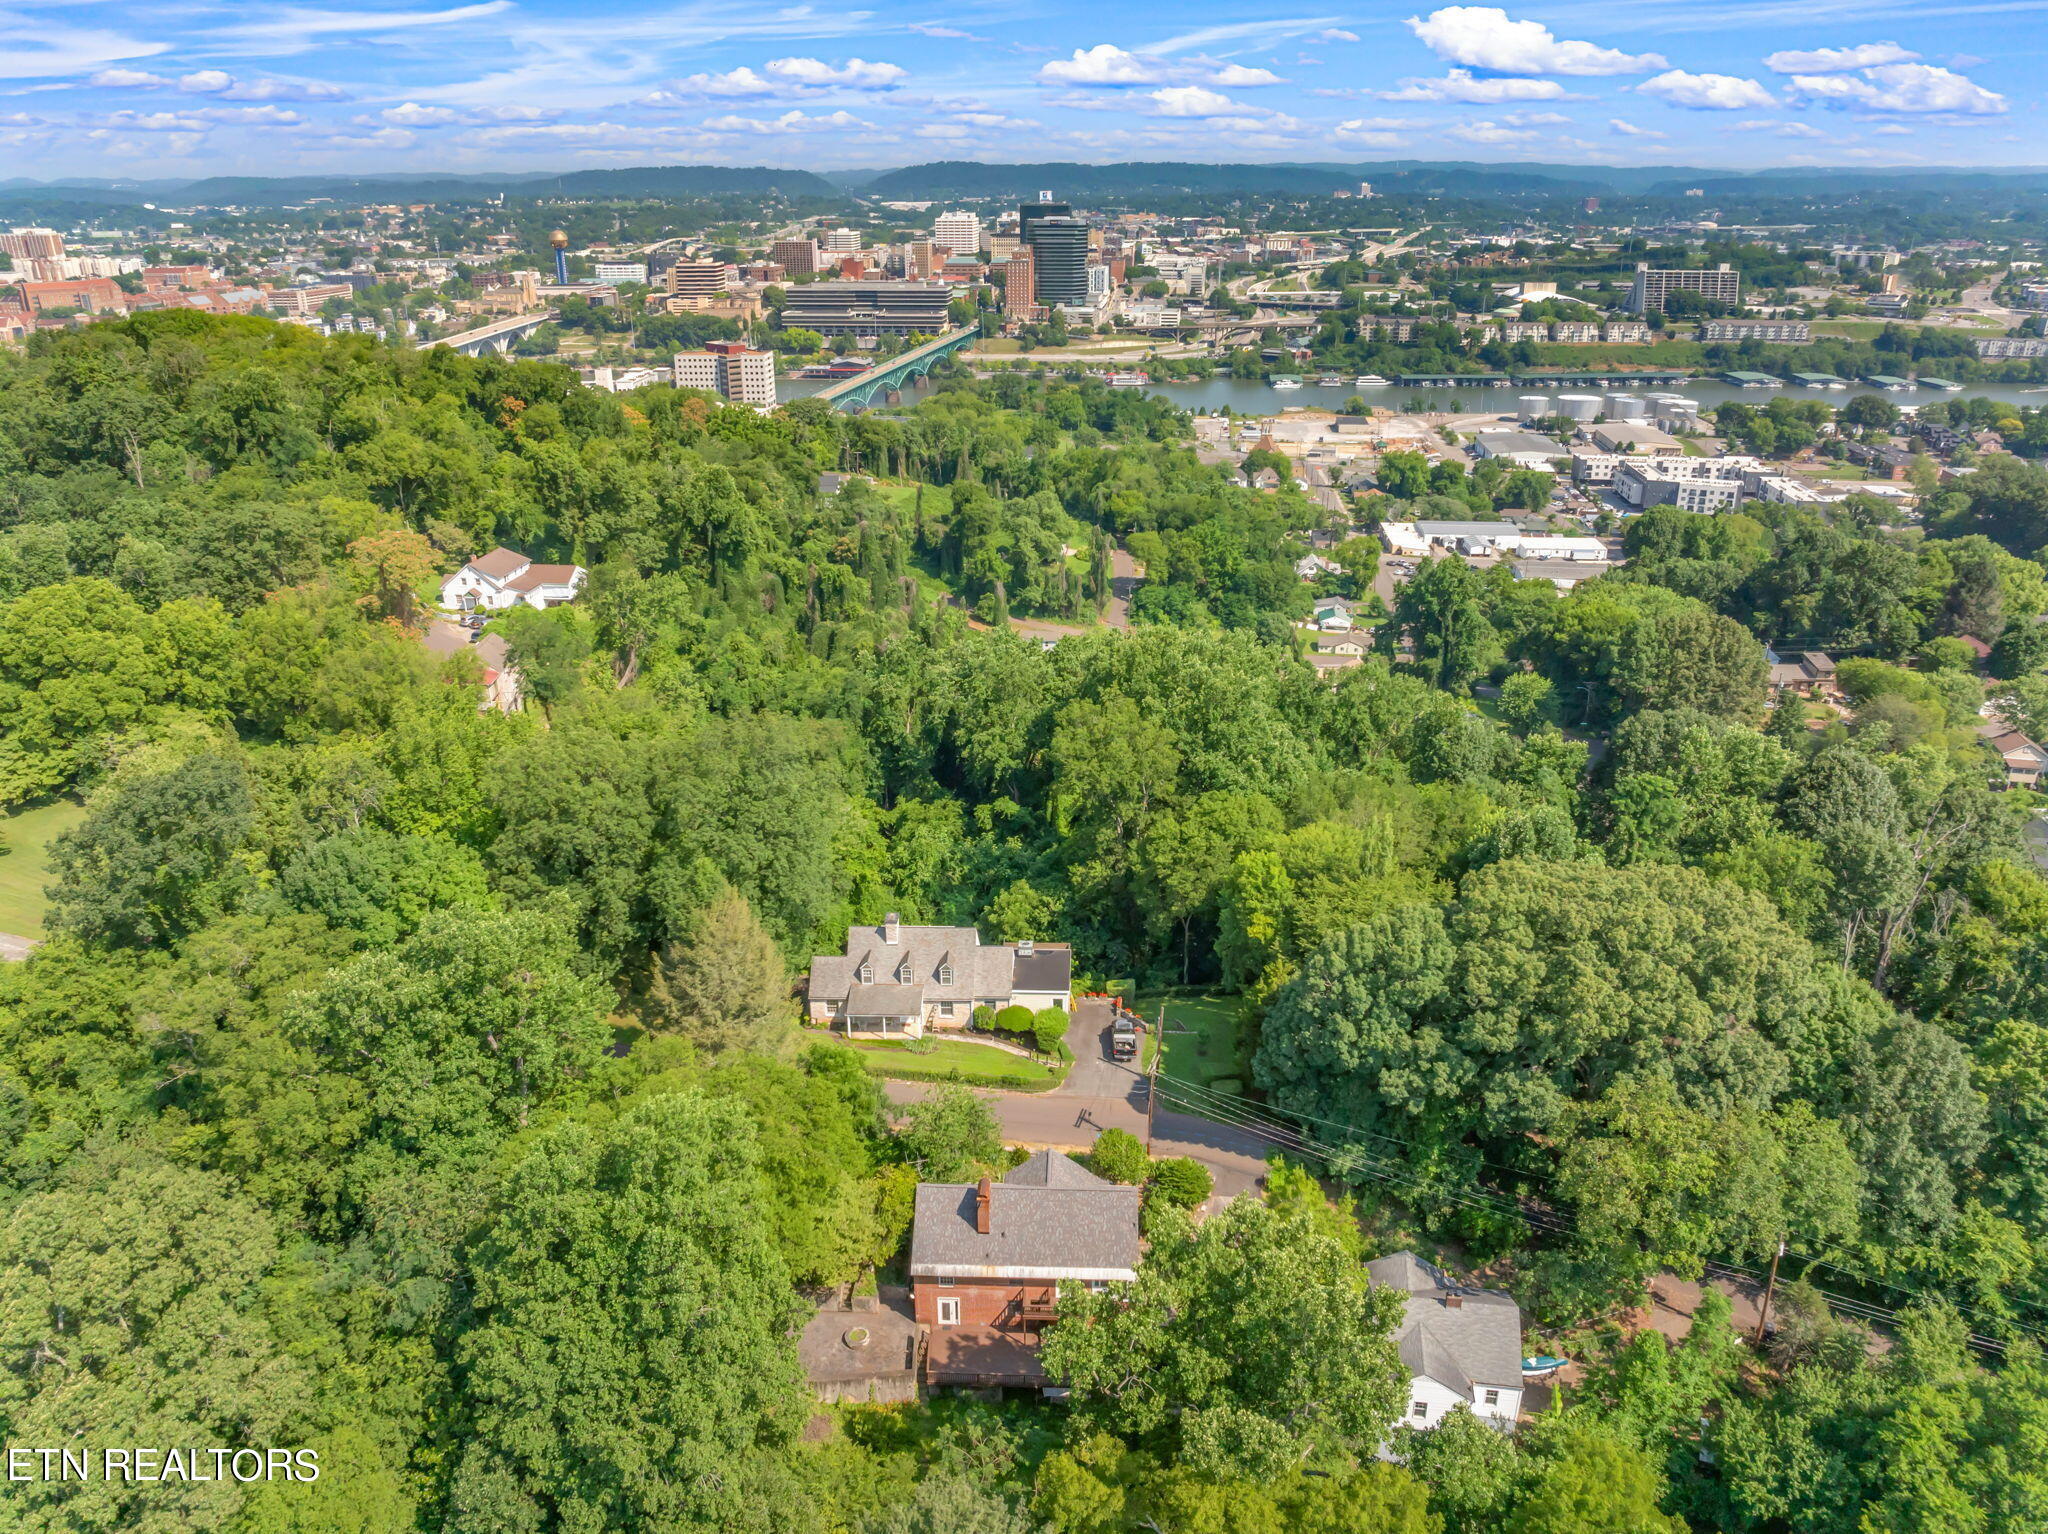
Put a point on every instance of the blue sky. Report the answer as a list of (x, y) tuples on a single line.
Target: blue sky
[(186, 87)]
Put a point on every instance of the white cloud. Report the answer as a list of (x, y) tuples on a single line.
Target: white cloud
[(1707, 93), (410, 114), (1827, 61), (275, 117), (929, 31), (218, 82), (129, 79), (292, 28), (1490, 133), (154, 122), (1485, 37), (1537, 119), (1917, 88), (1192, 101), (788, 122), (1333, 35), (1104, 64), (857, 73), (1244, 74), (943, 131), (1463, 85), (1630, 130), (48, 49), (1371, 138), (734, 82)]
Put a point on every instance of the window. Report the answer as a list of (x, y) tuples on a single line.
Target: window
[(866, 973), (1097, 1286), (1419, 1409), (1491, 1398), (945, 1009), (949, 1312), (945, 1283), (903, 973), (945, 974)]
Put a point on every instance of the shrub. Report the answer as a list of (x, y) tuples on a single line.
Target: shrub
[(1013, 1020), (1119, 1156), (1049, 1029), (1182, 1182), (984, 1018)]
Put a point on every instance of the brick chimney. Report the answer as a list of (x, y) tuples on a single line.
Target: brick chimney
[(982, 1195), (892, 928)]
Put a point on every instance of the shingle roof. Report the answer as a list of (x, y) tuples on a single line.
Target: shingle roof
[(542, 575), (885, 1000), (1457, 1334), (979, 971), (1049, 1219), (500, 565), (1048, 967)]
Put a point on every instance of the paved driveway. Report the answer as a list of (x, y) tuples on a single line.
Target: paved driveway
[(1100, 1093)]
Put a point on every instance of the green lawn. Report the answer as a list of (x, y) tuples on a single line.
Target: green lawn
[(1207, 1052), (974, 1065), (26, 865)]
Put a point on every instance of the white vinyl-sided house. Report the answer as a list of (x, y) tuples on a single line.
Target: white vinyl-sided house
[(1461, 1345), (504, 578)]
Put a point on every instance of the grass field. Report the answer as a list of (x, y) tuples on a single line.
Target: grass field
[(1207, 1052), (26, 866), (973, 1065)]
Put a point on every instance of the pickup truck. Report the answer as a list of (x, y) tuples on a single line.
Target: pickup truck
[(1123, 1037)]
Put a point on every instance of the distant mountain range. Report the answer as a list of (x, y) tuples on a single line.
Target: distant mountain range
[(967, 179)]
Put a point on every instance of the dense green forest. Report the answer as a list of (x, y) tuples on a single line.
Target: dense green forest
[(420, 1084)]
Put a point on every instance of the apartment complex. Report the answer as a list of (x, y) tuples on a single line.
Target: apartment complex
[(868, 308), (1797, 331), (2000, 348), (1020, 285), (729, 368), (1654, 285), (28, 243)]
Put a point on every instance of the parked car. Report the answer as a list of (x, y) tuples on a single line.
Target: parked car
[(1123, 1037)]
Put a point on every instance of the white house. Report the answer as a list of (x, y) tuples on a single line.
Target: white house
[(1461, 1345), (504, 578)]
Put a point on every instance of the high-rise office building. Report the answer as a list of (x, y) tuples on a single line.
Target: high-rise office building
[(1059, 253), (1654, 284), (958, 232), (699, 281), (1019, 288), (1043, 208), (799, 258), (732, 368), (842, 242), (925, 260)]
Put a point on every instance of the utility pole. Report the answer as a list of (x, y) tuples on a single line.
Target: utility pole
[(1763, 1318), (1152, 1075)]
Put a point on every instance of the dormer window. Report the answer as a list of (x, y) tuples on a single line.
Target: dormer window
[(945, 972), (866, 973), (904, 972)]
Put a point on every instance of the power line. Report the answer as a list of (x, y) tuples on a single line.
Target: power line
[(1241, 1113)]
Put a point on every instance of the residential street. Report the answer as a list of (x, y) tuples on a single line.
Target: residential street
[(1101, 1093)]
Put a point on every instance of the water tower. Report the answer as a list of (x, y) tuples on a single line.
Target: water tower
[(560, 240)]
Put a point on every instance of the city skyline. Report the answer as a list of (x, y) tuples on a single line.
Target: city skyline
[(507, 85)]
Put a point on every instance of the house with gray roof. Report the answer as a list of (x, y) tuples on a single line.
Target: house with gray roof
[(897, 978), (1461, 1345), (987, 1260)]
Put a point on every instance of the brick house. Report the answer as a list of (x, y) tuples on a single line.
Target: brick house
[(987, 1260)]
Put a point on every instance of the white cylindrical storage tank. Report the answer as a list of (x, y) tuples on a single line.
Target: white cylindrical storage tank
[(1626, 407), (1578, 407), (1533, 407)]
